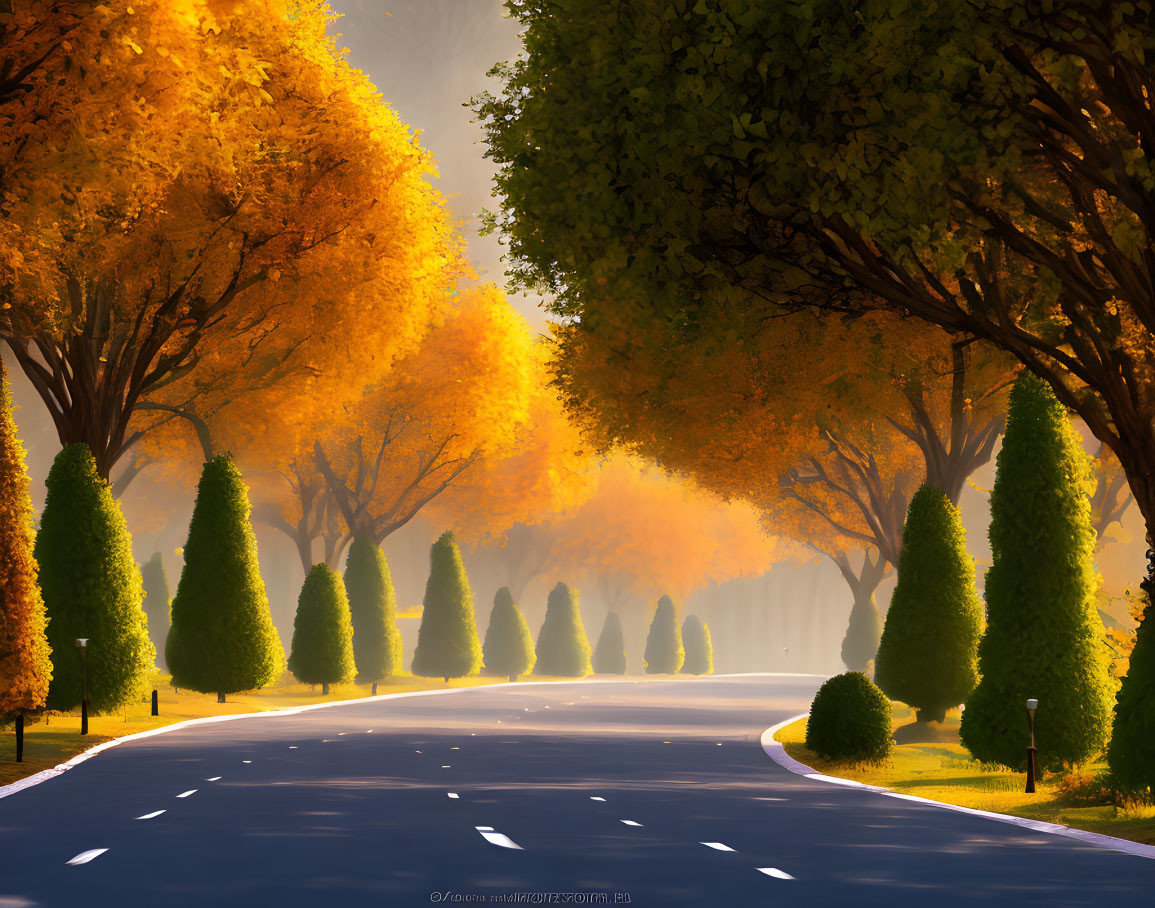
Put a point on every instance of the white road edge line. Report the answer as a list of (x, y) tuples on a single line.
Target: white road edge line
[(776, 752), (717, 846), (149, 816), (85, 856), (45, 774), (775, 872), (496, 838), (185, 794)]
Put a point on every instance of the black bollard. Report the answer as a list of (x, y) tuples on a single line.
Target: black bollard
[(84, 716), (155, 703), (20, 737)]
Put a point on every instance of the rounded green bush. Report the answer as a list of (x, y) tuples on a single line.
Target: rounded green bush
[(849, 720)]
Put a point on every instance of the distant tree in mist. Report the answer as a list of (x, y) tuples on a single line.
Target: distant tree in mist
[(222, 637), (508, 648), (447, 642), (157, 602), (610, 653), (322, 649), (664, 651), (698, 645), (562, 646)]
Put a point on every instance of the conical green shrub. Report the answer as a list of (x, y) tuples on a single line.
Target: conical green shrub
[(157, 601), (91, 588), (508, 648), (562, 646), (610, 653), (373, 606), (863, 634), (447, 643), (222, 637), (699, 648), (850, 719), (1131, 754), (1044, 636), (25, 657), (927, 655), (664, 653), (322, 650)]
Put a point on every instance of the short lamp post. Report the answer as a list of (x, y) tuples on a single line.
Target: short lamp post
[(1032, 751), (82, 642)]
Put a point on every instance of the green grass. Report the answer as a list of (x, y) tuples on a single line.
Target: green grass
[(942, 770)]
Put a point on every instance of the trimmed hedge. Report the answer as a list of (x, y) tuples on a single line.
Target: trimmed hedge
[(610, 653), (447, 642), (508, 648), (698, 645), (373, 610), (664, 652), (322, 650), (850, 720), (562, 646)]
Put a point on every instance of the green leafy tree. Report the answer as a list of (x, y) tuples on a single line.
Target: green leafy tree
[(664, 651), (447, 643), (322, 650), (508, 648), (698, 645), (562, 646), (157, 601), (25, 658), (610, 653), (1044, 637), (930, 642), (92, 589), (222, 637), (373, 605)]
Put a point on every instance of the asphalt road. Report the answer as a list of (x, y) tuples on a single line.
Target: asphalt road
[(652, 793)]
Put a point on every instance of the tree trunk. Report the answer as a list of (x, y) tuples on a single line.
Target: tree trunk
[(324, 688), (220, 696), (20, 737)]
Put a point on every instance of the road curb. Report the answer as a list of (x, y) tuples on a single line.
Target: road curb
[(776, 752)]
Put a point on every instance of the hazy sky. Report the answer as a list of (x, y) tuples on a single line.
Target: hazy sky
[(427, 58)]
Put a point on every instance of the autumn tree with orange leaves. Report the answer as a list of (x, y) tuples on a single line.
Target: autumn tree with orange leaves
[(461, 397), (205, 207)]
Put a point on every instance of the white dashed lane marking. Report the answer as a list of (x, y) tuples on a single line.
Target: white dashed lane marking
[(149, 816), (775, 872), (630, 822), (596, 798), (496, 838), (454, 795), (185, 794), (85, 856), (214, 779), (717, 846)]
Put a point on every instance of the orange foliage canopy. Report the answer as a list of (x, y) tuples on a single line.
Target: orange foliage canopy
[(544, 472), (462, 397), (646, 532), (205, 208)]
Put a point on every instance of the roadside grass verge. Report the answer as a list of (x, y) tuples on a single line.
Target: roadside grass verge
[(942, 770)]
